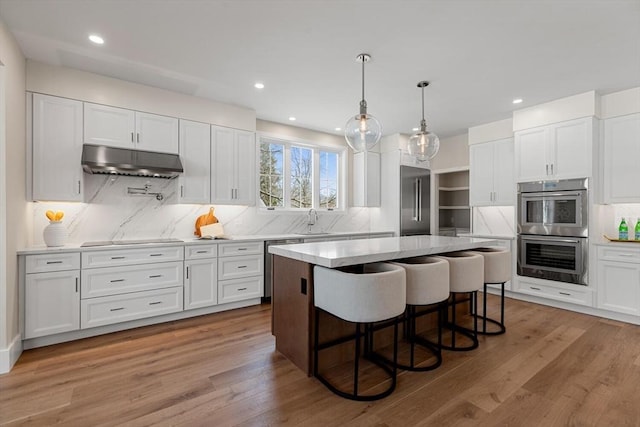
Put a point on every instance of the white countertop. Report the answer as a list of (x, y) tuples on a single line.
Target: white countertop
[(75, 247), (352, 252)]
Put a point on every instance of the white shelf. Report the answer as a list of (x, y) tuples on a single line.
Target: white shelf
[(453, 188), (454, 207)]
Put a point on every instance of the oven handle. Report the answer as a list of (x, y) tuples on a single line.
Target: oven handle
[(549, 239), (548, 194)]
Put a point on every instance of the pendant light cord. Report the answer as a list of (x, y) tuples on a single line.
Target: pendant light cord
[(363, 61), (422, 103)]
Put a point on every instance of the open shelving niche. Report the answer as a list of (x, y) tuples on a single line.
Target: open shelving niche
[(451, 191)]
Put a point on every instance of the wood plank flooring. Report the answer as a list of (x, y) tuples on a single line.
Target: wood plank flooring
[(551, 368)]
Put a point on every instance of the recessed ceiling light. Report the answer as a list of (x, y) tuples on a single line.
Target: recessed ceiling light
[(517, 100), (293, 119), (338, 129), (259, 85), (96, 39)]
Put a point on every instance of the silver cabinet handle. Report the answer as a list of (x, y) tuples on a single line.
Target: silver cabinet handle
[(551, 168), (155, 254), (116, 309), (138, 138), (182, 191), (155, 303), (76, 285), (54, 262), (242, 289), (535, 289), (625, 255), (547, 165), (187, 273), (117, 257), (155, 276), (242, 266), (564, 293), (242, 249), (201, 252), (419, 199), (116, 280), (132, 140), (78, 186)]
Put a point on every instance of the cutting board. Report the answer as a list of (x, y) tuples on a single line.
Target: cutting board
[(212, 231)]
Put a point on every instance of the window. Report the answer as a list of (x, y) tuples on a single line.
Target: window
[(299, 176)]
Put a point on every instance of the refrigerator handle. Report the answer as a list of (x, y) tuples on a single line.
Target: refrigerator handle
[(419, 199), (415, 200)]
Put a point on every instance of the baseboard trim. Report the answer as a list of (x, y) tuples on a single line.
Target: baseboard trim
[(9, 356)]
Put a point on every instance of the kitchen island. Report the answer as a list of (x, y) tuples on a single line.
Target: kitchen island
[(292, 301)]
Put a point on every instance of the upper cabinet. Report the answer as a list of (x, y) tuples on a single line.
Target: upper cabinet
[(195, 154), (56, 149), (621, 173), (122, 128), (557, 151), (233, 154), (491, 174), (366, 179)]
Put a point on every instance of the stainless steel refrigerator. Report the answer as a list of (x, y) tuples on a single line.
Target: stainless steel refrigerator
[(415, 212)]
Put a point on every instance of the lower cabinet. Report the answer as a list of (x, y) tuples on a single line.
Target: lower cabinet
[(52, 303), (619, 280), (240, 289), (575, 294), (240, 277), (200, 279)]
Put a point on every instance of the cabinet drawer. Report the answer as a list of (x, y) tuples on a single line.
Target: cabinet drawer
[(114, 257), (122, 308), (52, 262), (248, 248), (200, 251), (100, 282), (240, 289), (619, 254), (575, 296), (239, 266)]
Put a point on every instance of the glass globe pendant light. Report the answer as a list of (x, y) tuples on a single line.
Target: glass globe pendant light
[(423, 145), (362, 131)]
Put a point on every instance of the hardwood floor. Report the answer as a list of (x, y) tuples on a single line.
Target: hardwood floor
[(552, 367)]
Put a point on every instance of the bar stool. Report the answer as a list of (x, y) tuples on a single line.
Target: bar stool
[(427, 285), (466, 275), (378, 294), (497, 271)]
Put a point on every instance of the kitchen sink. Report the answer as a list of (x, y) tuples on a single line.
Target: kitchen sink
[(313, 233)]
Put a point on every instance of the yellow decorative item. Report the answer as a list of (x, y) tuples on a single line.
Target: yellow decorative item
[(54, 216), (54, 234), (206, 219)]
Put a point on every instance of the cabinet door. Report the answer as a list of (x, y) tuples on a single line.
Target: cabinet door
[(481, 171), (222, 166), (504, 186), (110, 126), (366, 179), (531, 154), (571, 149), (195, 154), (619, 287), (156, 133), (621, 155), (52, 303), (201, 283), (245, 170), (57, 149)]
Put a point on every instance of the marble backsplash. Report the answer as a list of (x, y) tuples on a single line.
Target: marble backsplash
[(494, 221), (109, 213)]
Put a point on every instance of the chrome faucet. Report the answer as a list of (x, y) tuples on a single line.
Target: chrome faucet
[(312, 217)]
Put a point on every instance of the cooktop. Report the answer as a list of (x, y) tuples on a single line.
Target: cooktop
[(128, 242)]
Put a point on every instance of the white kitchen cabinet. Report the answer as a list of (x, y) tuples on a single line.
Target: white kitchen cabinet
[(557, 151), (52, 298), (122, 128), (621, 173), (233, 156), (575, 294), (619, 280), (56, 149), (366, 179), (491, 175), (195, 154), (240, 277), (200, 276)]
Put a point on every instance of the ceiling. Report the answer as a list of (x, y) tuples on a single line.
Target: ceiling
[(478, 54)]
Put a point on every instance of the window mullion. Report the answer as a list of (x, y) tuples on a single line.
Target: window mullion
[(286, 170)]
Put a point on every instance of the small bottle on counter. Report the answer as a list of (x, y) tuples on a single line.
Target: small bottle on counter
[(637, 231), (623, 230)]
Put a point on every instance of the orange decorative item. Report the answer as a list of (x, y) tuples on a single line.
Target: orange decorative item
[(206, 219)]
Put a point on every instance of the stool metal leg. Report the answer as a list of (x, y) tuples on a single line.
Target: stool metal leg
[(485, 318)]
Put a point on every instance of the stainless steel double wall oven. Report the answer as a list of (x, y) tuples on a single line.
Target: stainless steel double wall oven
[(553, 230)]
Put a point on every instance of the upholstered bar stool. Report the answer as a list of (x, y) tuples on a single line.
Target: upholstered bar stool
[(497, 271), (466, 276), (427, 285), (376, 294)]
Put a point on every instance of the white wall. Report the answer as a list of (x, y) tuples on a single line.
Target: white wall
[(493, 131), (454, 153), (620, 103), (13, 207), (572, 107)]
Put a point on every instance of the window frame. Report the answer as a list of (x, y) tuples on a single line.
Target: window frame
[(316, 148)]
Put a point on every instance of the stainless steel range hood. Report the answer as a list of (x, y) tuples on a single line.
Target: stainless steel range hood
[(121, 161)]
